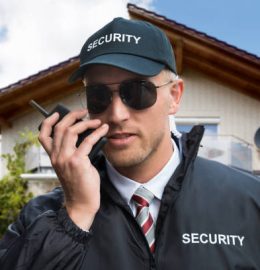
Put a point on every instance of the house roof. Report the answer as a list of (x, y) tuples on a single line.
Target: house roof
[(137, 11), (216, 58), (195, 49)]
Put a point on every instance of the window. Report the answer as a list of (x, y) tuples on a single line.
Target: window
[(186, 124), (210, 129)]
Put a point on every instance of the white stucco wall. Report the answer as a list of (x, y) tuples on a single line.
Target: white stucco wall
[(239, 114)]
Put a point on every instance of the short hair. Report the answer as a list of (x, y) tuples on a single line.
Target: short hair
[(170, 75)]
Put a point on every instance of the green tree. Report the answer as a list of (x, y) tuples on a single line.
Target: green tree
[(13, 189)]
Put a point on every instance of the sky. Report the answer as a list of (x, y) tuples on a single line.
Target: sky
[(37, 34)]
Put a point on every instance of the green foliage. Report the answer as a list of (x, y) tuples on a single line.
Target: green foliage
[(13, 189)]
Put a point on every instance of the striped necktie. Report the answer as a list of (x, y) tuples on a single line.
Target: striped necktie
[(142, 198)]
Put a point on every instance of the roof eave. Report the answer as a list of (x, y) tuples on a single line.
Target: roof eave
[(45, 87), (215, 58)]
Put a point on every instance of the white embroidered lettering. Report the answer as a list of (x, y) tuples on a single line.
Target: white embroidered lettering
[(228, 241), (185, 238), (106, 38), (195, 238), (241, 239), (213, 239), (101, 41), (203, 235), (95, 43), (213, 242), (117, 37), (233, 239), (136, 39), (222, 238), (89, 47), (128, 38), (113, 37)]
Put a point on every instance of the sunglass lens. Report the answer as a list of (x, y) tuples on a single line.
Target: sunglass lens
[(98, 98), (138, 95)]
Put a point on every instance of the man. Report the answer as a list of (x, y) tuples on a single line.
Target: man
[(147, 202)]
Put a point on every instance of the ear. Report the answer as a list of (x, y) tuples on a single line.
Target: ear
[(175, 96)]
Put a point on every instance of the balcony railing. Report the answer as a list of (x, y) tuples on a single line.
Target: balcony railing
[(38, 161), (228, 150)]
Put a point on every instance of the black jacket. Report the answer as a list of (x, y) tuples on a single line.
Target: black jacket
[(209, 219)]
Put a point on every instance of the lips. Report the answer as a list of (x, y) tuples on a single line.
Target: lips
[(120, 135), (121, 139)]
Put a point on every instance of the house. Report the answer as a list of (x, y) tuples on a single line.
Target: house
[(222, 92)]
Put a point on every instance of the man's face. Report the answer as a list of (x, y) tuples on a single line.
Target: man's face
[(135, 137)]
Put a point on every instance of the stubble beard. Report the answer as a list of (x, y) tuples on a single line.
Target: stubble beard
[(135, 155)]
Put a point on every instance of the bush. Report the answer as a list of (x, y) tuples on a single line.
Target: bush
[(13, 189)]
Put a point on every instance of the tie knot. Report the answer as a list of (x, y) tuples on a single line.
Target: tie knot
[(142, 196)]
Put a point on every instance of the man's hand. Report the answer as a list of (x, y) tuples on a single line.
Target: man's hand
[(78, 177)]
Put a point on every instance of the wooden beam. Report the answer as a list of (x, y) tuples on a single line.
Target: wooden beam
[(179, 56), (217, 56), (242, 85), (50, 86), (220, 59), (4, 123)]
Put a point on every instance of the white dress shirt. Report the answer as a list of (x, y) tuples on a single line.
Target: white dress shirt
[(126, 186)]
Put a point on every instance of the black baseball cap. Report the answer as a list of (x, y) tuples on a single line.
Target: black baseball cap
[(133, 45)]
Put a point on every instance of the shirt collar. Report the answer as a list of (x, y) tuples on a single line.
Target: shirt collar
[(126, 186)]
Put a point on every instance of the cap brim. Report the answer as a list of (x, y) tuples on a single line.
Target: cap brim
[(132, 63)]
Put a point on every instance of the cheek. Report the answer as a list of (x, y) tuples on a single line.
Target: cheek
[(156, 121), (160, 111)]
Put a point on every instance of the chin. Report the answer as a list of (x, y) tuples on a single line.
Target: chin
[(126, 159)]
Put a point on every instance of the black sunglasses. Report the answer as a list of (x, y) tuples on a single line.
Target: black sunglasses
[(136, 93)]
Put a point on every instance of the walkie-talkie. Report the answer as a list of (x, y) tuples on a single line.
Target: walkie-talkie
[(62, 110)]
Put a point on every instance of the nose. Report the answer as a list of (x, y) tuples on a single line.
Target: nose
[(117, 111)]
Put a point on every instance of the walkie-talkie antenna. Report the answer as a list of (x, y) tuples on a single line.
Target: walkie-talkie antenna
[(38, 107)]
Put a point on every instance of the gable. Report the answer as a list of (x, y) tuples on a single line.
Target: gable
[(220, 61)]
